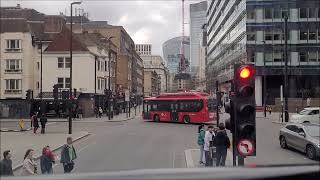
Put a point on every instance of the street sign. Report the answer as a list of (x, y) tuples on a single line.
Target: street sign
[(127, 95), (245, 147)]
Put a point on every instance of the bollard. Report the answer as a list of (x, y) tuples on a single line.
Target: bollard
[(21, 124)]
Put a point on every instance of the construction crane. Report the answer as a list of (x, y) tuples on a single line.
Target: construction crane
[(182, 75)]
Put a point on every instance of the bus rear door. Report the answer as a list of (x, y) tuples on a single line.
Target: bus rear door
[(146, 110), (174, 111)]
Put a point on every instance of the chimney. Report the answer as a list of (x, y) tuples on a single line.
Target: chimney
[(18, 6)]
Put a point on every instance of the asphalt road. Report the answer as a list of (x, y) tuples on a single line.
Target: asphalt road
[(135, 144)]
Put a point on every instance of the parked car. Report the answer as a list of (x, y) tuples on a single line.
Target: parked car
[(310, 114), (303, 137)]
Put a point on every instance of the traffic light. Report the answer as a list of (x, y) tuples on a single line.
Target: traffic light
[(28, 94), (55, 92), (65, 94), (229, 123), (244, 106)]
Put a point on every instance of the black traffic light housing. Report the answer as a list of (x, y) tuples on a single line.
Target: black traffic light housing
[(28, 94), (244, 107), (56, 92)]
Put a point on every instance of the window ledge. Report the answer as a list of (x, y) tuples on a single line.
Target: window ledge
[(16, 71), (13, 91), (13, 50)]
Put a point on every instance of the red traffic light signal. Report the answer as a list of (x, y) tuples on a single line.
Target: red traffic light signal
[(245, 72)]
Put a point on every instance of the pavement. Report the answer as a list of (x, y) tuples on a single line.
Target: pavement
[(12, 125), (192, 158), (19, 142)]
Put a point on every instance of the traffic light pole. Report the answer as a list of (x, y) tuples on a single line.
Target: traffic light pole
[(286, 90), (218, 101)]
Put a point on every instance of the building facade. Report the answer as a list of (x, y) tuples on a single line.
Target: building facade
[(197, 20), (172, 55), (125, 51), (144, 49), (252, 31), (155, 63)]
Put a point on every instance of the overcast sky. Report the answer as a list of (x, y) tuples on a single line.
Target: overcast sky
[(148, 21)]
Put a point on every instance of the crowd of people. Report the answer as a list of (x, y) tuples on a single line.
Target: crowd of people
[(47, 160), (213, 144)]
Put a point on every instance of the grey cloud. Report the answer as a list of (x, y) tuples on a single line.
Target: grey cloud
[(160, 19)]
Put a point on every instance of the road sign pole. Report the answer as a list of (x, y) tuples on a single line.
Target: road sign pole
[(240, 161)]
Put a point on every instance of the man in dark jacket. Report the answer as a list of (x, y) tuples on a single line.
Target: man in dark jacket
[(222, 143), (68, 154), (43, 122), (6, 164)]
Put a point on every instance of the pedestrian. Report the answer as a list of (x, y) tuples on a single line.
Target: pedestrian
[(6, 164), (96, 111), (68, 155), (35, 123), (31, 119), (29, 167), (207, 142), (100, 112), (201, 134), (222, 143), (308, 102), (43, 122), (47, 159), (80, 112)]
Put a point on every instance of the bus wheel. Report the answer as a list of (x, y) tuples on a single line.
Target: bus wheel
[(156, 118), (186, 119)]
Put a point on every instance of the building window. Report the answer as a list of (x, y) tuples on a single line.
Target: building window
[(13, 44), (98, 65), (268, 13), (268, 36), (251, 36), (60, 62), (303, 35), (319, 32), (303, 57), (312, 35), (285, 12), (318, 12), (277, 13), (312, 56), (13, 65), (99, 82), (277, 57), (38, 65), (312, 13), (13, 84), (303, 13), (268, 57), (60, 82), (67, 83), (38, 85), (67, 62), (277, 36), (251, 14)]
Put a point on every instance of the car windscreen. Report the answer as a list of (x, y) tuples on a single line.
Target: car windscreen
[(313, 131), (304, 112)]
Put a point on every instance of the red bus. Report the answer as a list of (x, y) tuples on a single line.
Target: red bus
[(186, 107)]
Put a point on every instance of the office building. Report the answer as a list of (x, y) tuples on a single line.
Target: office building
[(252, 31), (197, 20)]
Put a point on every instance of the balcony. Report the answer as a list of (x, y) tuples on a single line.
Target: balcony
[(13, 71), (13, 50), (13, 91)]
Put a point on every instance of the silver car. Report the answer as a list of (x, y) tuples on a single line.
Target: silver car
[(303, 137)]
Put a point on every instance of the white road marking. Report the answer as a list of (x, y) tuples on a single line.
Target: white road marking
[(173, 158)]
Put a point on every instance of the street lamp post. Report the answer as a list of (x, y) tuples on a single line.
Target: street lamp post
[(70, 91), (264, 86), (286, 90)]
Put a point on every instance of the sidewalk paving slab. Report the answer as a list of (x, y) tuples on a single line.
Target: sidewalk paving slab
[(19, 142), (192, 158)]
